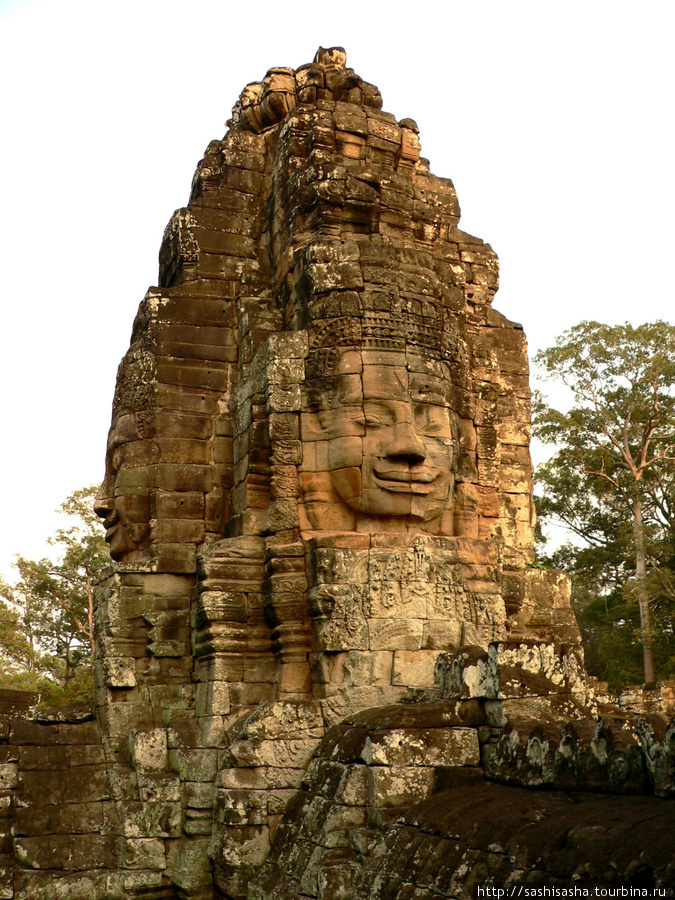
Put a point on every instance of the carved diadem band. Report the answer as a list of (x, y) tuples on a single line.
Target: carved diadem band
[(383, 331)]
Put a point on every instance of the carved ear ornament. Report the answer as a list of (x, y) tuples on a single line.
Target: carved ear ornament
[(135, 381)]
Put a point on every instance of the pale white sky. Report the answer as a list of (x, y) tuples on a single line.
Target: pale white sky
[(553, 119)]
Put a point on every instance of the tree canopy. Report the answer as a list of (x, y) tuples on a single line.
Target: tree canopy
[(611, 482), (46, 616)]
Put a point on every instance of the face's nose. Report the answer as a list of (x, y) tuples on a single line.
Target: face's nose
[(405, 445), (103, 505)]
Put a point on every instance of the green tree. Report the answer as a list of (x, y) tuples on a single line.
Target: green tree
[(15, 645), (46, 621), (611, 478)]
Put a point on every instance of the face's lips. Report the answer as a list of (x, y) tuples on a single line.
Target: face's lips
[(408, 481), (110, 523)]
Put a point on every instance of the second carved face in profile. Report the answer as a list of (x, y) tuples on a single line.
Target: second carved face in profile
[(123, 502)]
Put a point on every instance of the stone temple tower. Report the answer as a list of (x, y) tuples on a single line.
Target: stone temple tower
[(318, 470), (318, 500)]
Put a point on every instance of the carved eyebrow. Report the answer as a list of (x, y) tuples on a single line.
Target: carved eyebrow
[(433, 390), (435, 396), (380, 406)]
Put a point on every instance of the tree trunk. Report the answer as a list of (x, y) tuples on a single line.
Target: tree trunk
[(68, 674), (643, 600), (90, 620), (31, 641)]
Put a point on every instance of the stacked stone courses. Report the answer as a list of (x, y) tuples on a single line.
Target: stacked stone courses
[(322, 631)]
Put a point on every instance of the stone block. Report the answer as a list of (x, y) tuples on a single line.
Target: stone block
[(135, 882), (198, 822), (85, 755), (24, 732), (167, 648), (423, 747), (85, 784), (213, 698), (93, 851), (211, 731), (178, 531), (341, 702), (41, 787), (46, 852), (294, 679), (353, 667), (83, 818), (144, 853), (401, 785), (441, 634), (278, 800), (9, 776), (195, 765), (395, 634), (119, 673), (259, 668), (159, 787), (357, 786), (284, 398), (278, 753), (149, 750), (340, 565), (32, 820), (192, 867), (414, 668), (250, 694), (260, 778), (468, 673), (400, 599), (241, 807), (151, 818)]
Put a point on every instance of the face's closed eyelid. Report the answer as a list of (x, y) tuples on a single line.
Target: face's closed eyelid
[(351, 418), (374, 421), (432, 419), (382, 410)]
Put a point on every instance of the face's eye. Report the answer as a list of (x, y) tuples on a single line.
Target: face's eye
[(346, 420), (433, 420), (372, 420), (379, 414)]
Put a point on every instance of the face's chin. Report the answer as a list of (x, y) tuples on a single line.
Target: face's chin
[(116, 537), (381, 489)]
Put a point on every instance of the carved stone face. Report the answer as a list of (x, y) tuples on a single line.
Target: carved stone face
[(124, 499), (389, 436)]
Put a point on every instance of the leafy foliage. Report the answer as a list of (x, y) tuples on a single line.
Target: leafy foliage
[(46, 617), (611, 482)]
